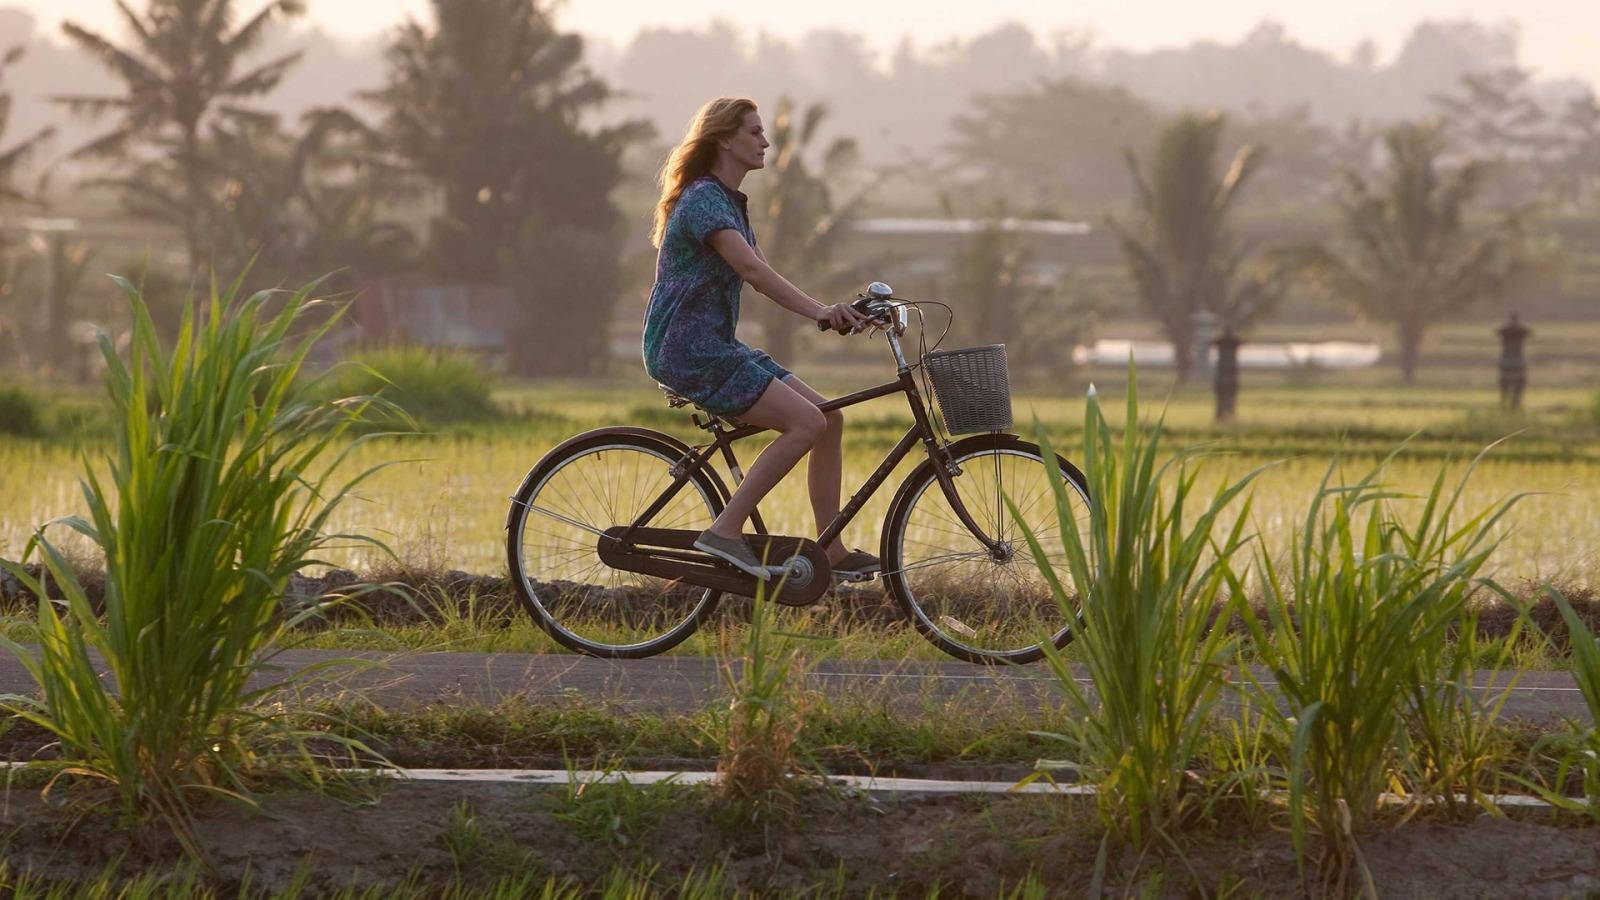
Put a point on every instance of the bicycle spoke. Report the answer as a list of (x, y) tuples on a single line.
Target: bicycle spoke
[(560, 518), (939, 560), (975, 604), (588, 604)]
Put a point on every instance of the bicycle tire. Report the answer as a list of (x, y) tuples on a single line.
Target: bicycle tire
[(564, 538), (970, 605)]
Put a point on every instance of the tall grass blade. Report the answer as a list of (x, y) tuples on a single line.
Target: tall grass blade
[(217, 490), (1357, 633), (1152, 573)]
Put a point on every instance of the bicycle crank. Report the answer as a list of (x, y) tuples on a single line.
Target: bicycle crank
[(670, 553)]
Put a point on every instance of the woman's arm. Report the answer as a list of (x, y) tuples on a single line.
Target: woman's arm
[(753, 268)]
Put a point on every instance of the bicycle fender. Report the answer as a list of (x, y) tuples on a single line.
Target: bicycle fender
[(660, 437)]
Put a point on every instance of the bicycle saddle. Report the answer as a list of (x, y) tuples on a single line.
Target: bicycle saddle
[(675, 399)]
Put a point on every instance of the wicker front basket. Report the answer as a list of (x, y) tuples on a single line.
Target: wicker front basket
[(972, 388)]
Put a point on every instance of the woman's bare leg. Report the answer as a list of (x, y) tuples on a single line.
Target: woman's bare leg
[(825, 466), (799, 425)]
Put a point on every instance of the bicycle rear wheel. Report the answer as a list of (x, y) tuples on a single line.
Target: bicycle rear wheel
[(580, 489), (974, 604)]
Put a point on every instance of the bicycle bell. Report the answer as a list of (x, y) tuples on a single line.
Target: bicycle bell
[(879, 291)]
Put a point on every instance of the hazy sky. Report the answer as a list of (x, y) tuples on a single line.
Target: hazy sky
[(1559, 37)]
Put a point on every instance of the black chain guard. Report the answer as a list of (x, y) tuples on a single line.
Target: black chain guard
[(670, 553)]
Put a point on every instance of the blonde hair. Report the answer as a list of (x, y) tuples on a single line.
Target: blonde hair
[(694, 155)]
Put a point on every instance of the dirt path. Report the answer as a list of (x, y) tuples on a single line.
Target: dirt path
[(682, 684)]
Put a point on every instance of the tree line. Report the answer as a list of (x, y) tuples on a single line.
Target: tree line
[(480, 123), (492, 152)]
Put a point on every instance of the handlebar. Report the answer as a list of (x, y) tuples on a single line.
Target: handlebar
[(861, 305), (881, 309), (875, 309)]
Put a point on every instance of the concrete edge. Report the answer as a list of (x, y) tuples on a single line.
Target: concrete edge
[(867, 783), (870, 783)]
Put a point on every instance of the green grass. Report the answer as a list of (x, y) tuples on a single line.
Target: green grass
[(1578, 753), (841, 642), (443, 507), (434, 386), (857, 731), (216, 489), (21, 413), (622, 883), (1356, 635), (974, 736), (520, 635), (618, 815), (1151, 573), (442, 502)]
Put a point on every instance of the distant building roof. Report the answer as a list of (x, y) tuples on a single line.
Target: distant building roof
[(40, 223), (1056, 227)]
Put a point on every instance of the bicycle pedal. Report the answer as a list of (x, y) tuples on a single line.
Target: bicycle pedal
[(853, 577)]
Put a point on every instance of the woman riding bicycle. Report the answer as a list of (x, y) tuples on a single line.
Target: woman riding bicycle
[(707, 252)]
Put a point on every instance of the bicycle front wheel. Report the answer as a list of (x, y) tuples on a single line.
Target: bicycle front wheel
[(977, 604), (568, 500)]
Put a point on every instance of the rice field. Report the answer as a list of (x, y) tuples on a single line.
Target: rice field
[(441, 502)]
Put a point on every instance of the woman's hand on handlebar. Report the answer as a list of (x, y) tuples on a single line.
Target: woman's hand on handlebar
[(843, 318)]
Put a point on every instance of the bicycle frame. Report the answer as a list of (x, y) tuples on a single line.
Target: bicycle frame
[(921, 429)]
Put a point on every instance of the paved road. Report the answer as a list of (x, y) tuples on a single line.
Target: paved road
[(686, 684)]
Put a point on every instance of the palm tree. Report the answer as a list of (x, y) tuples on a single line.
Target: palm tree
[(179, 75), (802, 222), (345, 190), (17, 155), (1182, 255), (308, 204), (490, 109), (486, 108), (1409, 258), (12, 264)]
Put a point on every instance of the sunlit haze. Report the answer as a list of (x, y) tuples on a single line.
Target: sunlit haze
[(1558, 36)]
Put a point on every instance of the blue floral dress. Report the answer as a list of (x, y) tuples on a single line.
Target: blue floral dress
[(689, 344)]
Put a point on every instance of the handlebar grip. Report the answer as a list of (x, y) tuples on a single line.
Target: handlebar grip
[(859, 305), (823, 326)]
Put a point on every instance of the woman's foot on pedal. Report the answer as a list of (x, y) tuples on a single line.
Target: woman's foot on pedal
[(736, 552), (857, 565)]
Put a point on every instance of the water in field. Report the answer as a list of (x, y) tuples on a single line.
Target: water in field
[(442, 500), (1306, 355)]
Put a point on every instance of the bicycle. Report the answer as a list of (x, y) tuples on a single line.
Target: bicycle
[(609, 517)]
